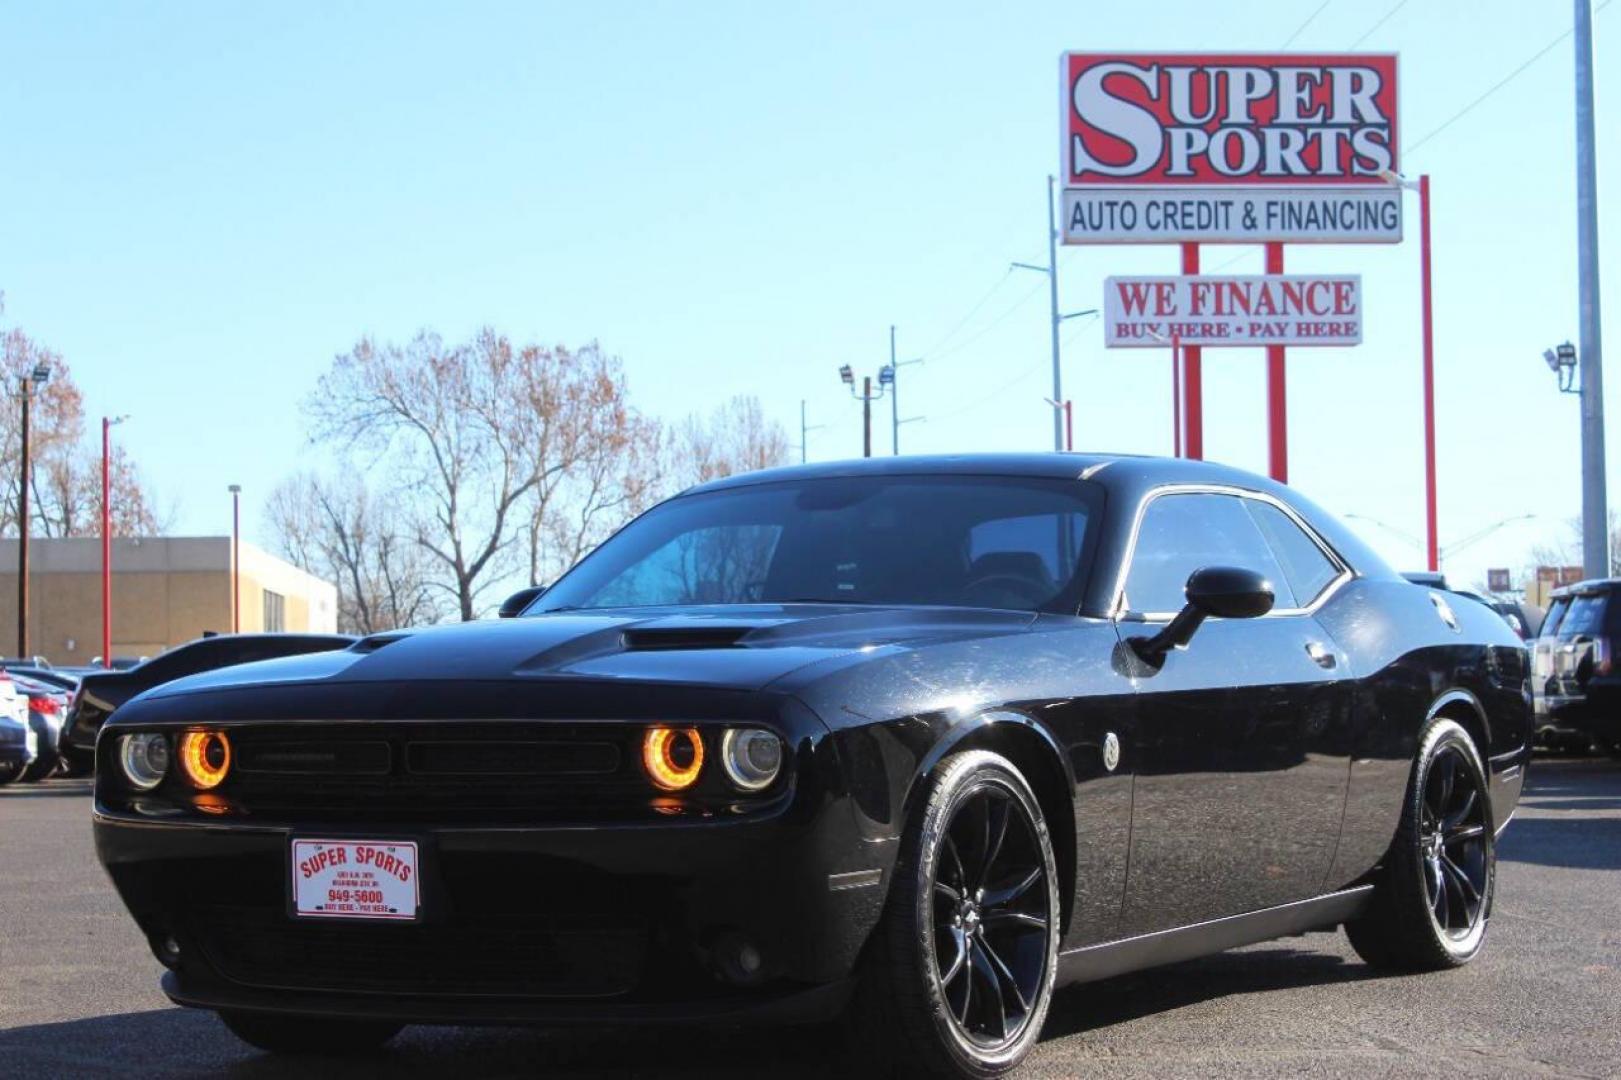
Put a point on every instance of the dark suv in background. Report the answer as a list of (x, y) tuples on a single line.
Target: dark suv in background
[(1575, 680)]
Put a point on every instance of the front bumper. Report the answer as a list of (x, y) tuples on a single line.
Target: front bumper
[(529, 925)]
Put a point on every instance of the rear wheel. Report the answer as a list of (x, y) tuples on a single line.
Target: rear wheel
[(282, 1034), (10, 771), (1434, 893), (959, 976)]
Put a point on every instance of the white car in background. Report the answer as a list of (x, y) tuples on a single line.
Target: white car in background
[(19, 745)]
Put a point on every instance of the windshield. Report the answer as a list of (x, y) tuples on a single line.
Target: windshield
[(967, 541)]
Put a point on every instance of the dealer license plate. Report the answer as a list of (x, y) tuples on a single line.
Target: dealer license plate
[(355, 879)]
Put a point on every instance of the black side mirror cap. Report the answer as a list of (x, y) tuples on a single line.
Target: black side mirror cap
[(1225, 592), (513, 605)]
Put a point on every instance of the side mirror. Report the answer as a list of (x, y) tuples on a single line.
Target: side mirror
[(1225, 592), (513, 605)]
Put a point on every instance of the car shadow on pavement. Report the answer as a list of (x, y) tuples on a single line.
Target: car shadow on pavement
[(1574, 842), (47, 789), (1091, 1006), (184, 1042)]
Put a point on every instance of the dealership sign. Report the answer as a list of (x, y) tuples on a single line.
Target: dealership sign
[(1172, 148), (1280, 309)]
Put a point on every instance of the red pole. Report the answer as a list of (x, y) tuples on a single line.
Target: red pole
[(1193, 373), (1176, 396), (1277, 390), (1431, 545), (236, 559), (106, 548), (1069, 425)]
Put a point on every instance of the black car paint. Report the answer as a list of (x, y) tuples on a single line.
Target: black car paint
[(1234, 806), (100, 693)]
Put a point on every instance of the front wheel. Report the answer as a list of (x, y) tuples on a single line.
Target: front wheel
[(959, 975), (319, 1035), (1434, 892)]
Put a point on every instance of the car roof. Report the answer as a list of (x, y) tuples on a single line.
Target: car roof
[(1143, 469), (1590, 587)]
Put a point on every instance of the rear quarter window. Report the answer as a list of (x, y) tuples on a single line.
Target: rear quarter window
[(1556, 614)]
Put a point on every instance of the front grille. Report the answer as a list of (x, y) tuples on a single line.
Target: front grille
[(434, 771), (511, 956)]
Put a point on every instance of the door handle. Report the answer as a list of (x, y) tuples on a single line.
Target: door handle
[(1322, 655)]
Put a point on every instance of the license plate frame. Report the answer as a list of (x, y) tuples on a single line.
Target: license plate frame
[(357, 880)]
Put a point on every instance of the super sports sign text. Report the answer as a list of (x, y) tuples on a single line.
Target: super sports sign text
[(1228, 119)]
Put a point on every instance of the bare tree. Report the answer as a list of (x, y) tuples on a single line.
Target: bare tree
[(340, 532), (64, 472), (458, 425), (735, 438)]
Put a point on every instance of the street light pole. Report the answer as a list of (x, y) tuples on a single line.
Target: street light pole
[(236, 558), (30, 381), (866, 397), (1595, 512)]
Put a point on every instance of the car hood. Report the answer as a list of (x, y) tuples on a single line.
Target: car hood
[(745, 647)]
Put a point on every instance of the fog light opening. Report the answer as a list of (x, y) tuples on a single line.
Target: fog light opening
[(739, 961), (168, 951)]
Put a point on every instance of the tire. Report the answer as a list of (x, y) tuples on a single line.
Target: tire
[(76, 763), (1433, 896), (953, 929), (38, 769), (10, 772), (319, 1035)]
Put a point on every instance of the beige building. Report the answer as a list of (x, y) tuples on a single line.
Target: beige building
[(166, 590)]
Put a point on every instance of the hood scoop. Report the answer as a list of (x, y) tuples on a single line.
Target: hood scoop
[(376, 641), (668, 638)]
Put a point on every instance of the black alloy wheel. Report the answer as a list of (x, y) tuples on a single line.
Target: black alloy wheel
[(959, 974), (1453, 844), (1432, 896), (991, 916)]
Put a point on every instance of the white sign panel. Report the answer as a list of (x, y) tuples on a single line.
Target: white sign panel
[(1235, 311), (355, 879), (1101, 215)]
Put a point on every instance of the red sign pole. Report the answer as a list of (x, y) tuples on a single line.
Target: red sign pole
[(1431, 546), (1277, 392), (1176, 396), (1192, 375)]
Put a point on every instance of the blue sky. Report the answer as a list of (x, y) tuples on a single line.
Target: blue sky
[(203, 203)]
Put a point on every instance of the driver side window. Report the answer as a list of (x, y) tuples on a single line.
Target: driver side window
[(1182, 532)]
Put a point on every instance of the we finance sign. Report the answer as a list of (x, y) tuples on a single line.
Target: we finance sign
[(1235, 311), (1236, 148)]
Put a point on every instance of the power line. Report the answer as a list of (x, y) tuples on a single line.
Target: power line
[(1382, 20), (992, 325), (1301, 29), (1504, 81), (981, 302)]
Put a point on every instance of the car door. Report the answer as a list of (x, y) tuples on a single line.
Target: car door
[(1242, 740)]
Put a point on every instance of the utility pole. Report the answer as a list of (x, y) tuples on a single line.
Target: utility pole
[(889, 377), (866, 396), (1052, 293), (804, 431), (1058, 317), (1595, 513)]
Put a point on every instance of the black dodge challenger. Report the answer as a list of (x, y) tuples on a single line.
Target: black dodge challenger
[(912, 741)]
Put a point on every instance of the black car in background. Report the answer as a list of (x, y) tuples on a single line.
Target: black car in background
[(914, 739), (1524, 619), (99, 693), (1575, 680)]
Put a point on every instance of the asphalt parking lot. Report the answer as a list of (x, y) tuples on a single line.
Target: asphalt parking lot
[(79, 997)]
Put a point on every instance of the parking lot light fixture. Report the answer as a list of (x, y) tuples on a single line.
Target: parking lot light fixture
[(30, 384)]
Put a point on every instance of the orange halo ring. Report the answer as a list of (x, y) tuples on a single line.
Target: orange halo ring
[(658, 757), (195, 749)]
